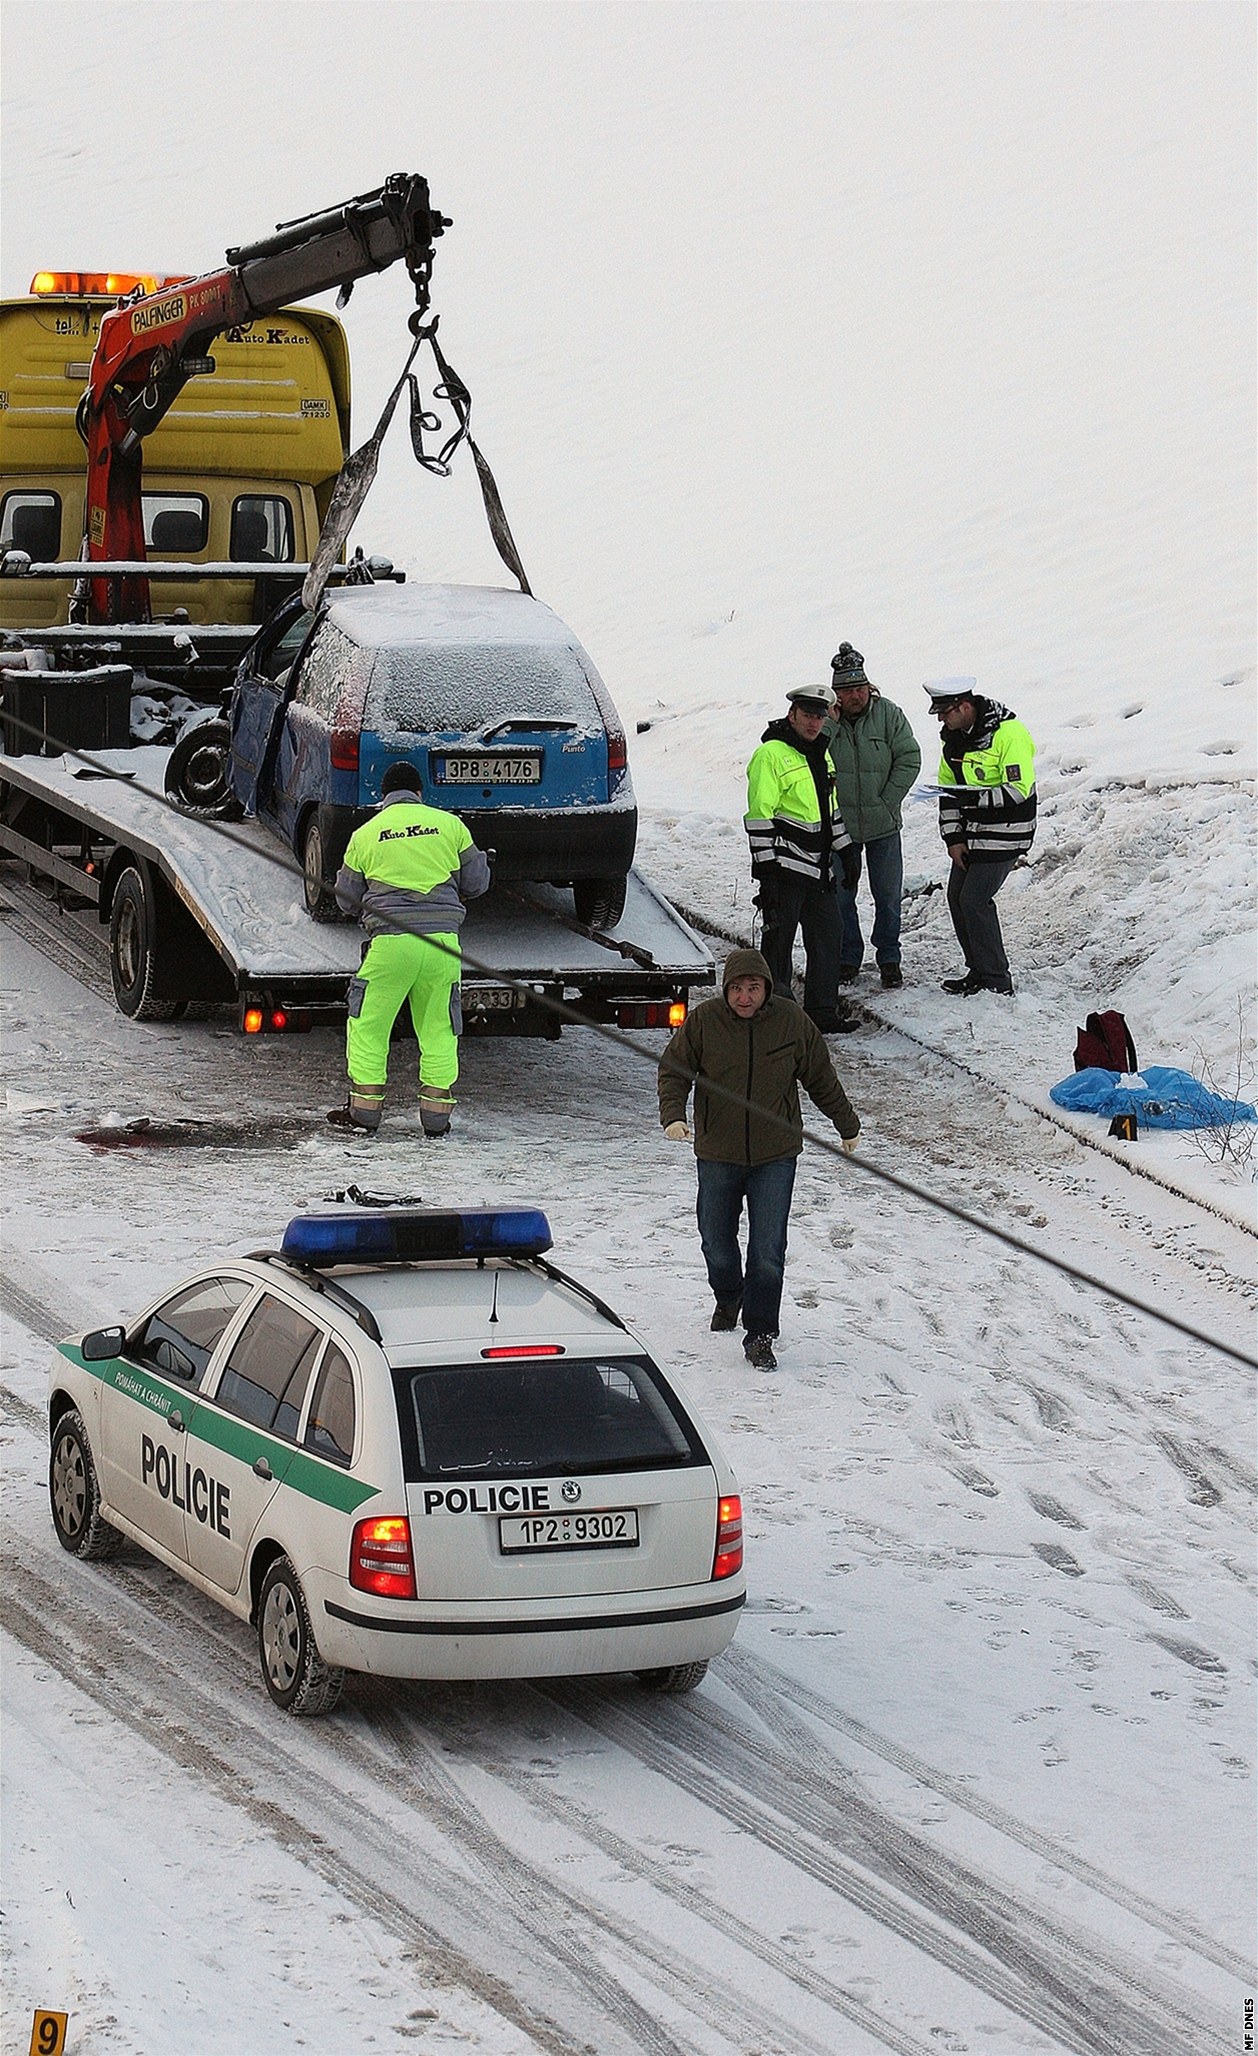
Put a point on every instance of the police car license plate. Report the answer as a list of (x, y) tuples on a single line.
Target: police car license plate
[(479, 768), (615, 1528)]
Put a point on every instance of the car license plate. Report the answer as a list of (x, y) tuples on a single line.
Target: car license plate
[(482, 769), (615, 1528)]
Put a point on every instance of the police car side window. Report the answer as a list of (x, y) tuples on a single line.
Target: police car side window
[(179, 1338), (330, 1428), (266, 1375)]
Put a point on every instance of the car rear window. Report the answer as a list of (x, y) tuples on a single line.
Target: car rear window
[(540, 1417), (461, 686)]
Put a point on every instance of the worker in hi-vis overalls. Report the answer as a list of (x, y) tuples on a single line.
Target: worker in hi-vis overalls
[(406, 875)]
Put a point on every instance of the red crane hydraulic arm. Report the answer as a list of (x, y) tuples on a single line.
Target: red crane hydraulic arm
[(149, 347)]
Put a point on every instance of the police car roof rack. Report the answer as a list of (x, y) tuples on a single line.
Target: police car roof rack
[(321, 1283), (561, 1278)]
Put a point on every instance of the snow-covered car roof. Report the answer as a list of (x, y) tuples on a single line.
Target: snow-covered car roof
[(408, 616)]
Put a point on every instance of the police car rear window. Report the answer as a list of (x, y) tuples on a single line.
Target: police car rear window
[(453, 687), (533, 1418)]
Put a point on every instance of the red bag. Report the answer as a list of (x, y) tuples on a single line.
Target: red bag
[(1104, 1043)]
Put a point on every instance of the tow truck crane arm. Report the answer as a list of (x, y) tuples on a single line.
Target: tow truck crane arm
[(150, 346)]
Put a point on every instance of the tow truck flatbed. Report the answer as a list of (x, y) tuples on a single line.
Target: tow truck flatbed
[(204, 910)]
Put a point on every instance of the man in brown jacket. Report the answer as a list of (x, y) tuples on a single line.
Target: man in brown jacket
[(757, 1048)]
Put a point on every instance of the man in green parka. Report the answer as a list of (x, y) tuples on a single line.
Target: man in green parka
[(876, 759)]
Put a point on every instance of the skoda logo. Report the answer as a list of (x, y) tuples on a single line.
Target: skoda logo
[(570, 1490)]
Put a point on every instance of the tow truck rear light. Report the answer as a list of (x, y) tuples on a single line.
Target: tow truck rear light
[(92, 284), (651, 1013), (411, 1234), (380, 1559), (729, 1538), (275, 1021)]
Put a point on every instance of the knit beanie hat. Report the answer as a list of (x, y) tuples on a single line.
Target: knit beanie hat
[(848, 667)]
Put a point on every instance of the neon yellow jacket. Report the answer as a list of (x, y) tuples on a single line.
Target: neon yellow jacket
[(784, 819), (409, 869), (992, 767)]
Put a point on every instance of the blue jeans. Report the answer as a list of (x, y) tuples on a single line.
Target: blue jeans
[(767, 1189), (884, 868)]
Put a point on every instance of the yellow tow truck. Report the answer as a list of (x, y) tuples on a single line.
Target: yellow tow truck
[(240, 468)]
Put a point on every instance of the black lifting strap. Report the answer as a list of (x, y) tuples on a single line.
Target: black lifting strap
[(359, 469), (453, 390)]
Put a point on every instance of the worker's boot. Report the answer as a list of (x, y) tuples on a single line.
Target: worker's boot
[(435, 1108), (361, 1111)]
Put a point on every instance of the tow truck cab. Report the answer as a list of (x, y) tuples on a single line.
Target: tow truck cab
[(240, 470)]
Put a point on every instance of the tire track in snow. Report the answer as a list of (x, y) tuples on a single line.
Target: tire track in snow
[(288, 1786), (1055, 1977), (392, 1747), (770, 1692), (719, 2002)]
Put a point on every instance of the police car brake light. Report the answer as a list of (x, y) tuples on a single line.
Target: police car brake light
[(413, 1235), (380, 1559), (525, 1349), (729, 1538)]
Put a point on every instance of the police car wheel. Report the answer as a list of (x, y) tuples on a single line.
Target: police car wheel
[(75, 1495), (295, 1675), (676, 1677)]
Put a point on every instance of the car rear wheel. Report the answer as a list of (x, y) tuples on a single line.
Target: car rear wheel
[(197, 774), (74, 1494), (599, 902), (295, 1675), (675, 1677), (320, 901)]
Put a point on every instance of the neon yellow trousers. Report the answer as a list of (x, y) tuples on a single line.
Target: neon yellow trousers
[(423, 970)]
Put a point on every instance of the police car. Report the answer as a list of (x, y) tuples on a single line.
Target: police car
[(405, 1443)]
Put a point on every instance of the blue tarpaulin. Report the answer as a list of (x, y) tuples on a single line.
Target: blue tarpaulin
[(1157, 1096)]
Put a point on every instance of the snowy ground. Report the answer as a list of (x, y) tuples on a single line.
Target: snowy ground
[(925, 327)]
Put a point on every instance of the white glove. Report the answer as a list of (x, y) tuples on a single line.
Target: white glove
[(677, 1131), (849, 1144)]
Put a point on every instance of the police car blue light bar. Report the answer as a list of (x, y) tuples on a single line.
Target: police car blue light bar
[(415, 1235)]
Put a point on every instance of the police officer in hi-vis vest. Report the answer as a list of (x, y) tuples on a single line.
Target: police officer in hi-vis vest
[(987, 808), (797, 838), (406, 875)]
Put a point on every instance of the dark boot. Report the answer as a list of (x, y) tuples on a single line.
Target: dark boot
[(348, 1117), (891, 975), (963, 988), (435, 1108), (758, 1350), (725, 1316)]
